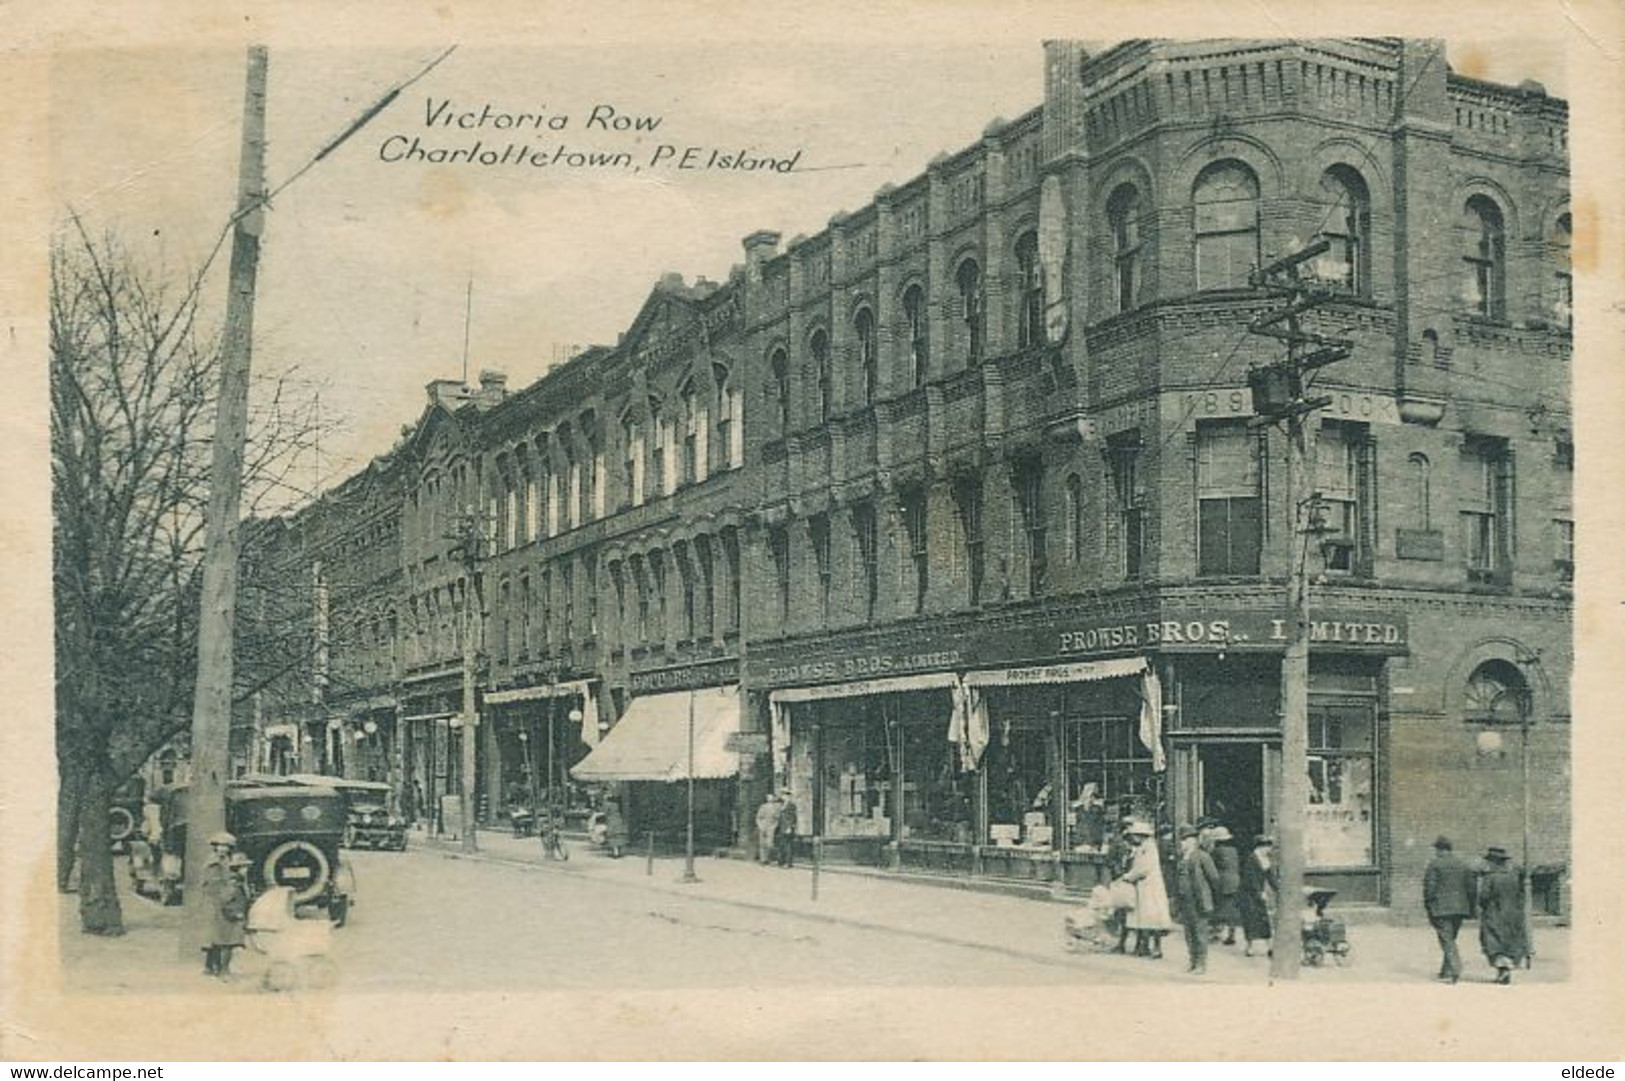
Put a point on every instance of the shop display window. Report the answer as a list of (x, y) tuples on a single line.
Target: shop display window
[(937, 801), (1018, 783), (1341, 823), (857, 781), (1106, 766)]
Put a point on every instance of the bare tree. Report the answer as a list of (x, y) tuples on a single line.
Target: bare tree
[(133, 380)]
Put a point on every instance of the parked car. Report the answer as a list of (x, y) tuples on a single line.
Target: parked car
[(124, 816), (290, 833), (369, 810)]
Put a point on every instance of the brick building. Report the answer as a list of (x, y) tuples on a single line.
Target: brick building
[(950, 518)]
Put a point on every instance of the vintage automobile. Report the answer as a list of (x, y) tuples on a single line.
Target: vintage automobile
[(371, 821), (290, 833), (124, 816)]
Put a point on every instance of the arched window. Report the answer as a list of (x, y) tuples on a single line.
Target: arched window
[(780, 366), (915, 324), (863, 326), (1348, 228), (1029, 293), (1123, 214), (730, 407), (632, 460), (818, 346), (969, 280), (1496, 693), (1422, 490), (1074, 518), (1226, 203), (1483, 234), (1563, 293)]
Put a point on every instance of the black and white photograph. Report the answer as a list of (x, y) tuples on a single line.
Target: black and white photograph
[(767, 535)]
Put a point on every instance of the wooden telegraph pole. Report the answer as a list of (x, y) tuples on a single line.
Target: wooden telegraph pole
[(1278, 395), (211, 710)]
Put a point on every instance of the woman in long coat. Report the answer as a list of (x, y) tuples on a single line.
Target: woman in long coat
[(1226, 913), (1151, 918), (1503, 927), (1259, 882), (616, 835), (225, 902)]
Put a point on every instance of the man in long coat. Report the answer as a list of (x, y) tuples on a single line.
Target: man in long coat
[(1196, 881), (1447, 894), (225, 903), (767, 827), (1503, 926), (785, 841)]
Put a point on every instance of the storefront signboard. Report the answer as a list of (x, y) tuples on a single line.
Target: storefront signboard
[(979, 646), (686, 677)]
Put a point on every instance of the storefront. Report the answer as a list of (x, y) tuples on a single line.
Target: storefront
[(665, 737), (1021, 752), (535, 736)]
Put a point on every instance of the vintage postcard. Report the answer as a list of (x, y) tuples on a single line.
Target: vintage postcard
[(937, 531)]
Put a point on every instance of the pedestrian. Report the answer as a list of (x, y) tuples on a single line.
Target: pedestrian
[(785, 839), (1150, 918), (767, 827), (1195, 885), (1503, 928), (1260, 883), (1447, 895), (616, 834), (225, 905), (1227, 860)]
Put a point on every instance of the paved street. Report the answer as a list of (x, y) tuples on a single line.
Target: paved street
[(596, 923)]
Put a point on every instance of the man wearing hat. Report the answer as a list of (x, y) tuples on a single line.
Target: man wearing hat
[(1503, 928), (1447, 894), (785, 839), (1196, 882)]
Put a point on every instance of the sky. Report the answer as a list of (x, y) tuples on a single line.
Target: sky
[(367, 265)]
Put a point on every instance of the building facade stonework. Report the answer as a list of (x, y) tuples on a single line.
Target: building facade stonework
[(958, 507)]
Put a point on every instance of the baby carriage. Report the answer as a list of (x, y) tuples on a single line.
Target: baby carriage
[(1093, 929), (296, 950), (1322, 934)]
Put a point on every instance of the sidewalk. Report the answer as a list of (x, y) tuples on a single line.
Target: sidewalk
[(1021, 927)]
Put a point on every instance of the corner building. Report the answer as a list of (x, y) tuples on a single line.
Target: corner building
[(950, 518)]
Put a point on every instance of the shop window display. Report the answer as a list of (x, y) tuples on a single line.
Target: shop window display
[(1341, 821), (1018, 785)]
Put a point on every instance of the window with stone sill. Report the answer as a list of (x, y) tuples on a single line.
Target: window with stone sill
[(1029, 293), (1483, 240), (1123, 215), (969, 280), (914, 320), (868, 350), (1227, 235)]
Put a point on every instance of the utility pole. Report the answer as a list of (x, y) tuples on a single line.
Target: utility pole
[(1278, 395), (470, 537), (211, 707)]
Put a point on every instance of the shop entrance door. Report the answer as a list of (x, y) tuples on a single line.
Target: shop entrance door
[(1230, 785)]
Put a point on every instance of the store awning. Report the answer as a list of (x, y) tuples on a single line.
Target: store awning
[(890, 685), (651, 741), (1080, 672)]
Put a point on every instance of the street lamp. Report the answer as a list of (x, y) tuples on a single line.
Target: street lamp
[(689, 876)]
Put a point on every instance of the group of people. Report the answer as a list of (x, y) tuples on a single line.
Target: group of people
[(1454, 891), (776, 829), (1216, 891)]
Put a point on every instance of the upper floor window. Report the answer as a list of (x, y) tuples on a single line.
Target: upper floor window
[(1483, 236), (967, 492), (914, 323), (1486, 509), (818, 533), (863, 327), (593, 500), (818, 347), (1123, 214), (868, 542), (1347, 228), (1124, 452), (969, 280), (696, 436), (735, 587), (683, 556), (730, 426), (1030, 293), (1563, 272), (632, 461), (1075, 522), (778, 546), (779, 366), (915, 523), (1341, 462), (1230, 530), (1226, 199), (1496, 693), (1029, 477)]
